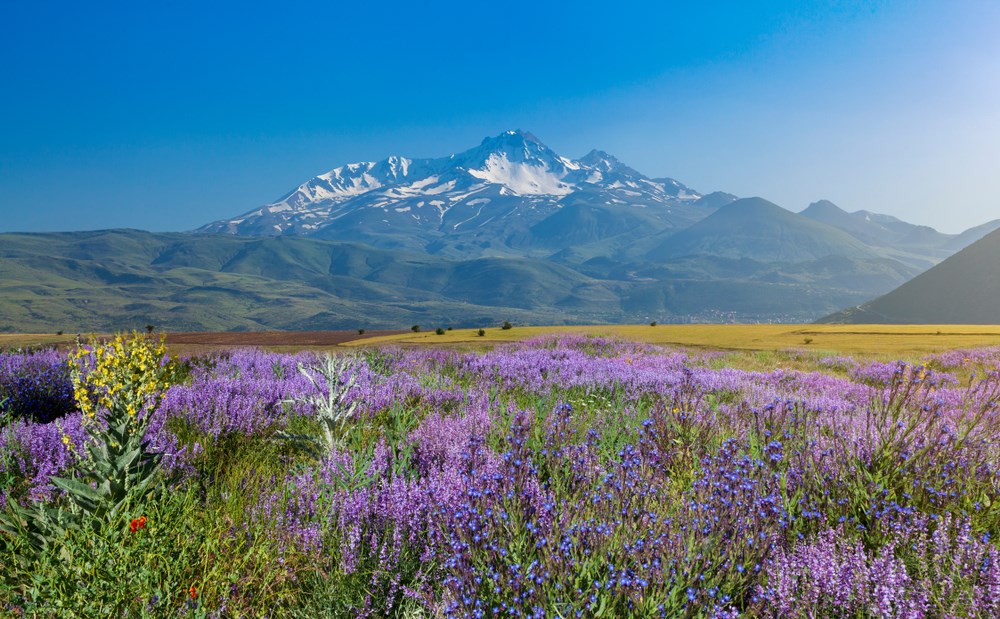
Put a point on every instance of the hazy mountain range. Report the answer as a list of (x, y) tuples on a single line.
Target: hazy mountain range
[(508, 230)]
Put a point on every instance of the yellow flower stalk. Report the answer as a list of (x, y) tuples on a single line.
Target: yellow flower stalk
[(129, 373)]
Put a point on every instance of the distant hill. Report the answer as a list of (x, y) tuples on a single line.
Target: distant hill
[(970, 236), (760, 230), (964, 289), (920, 246), (120, 279), (116, 279), (715, 199), (873, 228)]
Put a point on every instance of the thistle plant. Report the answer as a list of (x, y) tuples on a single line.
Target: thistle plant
[(117, 387), (333, 411)]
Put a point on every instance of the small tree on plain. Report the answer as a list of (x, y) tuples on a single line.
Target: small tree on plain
[(415, 328), (482, 332), (507, 325), (439, 331), (361, 331)]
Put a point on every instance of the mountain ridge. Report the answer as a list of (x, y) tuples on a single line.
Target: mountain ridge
[(506, 230), (758, 229)]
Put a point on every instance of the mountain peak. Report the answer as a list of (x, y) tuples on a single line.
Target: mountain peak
[(755, 204), (512, 137), (820, 206), (527, 136), (716, 199), (601, 160), (515, 145), (605, 163)]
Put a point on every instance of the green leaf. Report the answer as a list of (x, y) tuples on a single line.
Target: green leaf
[(12, 524), (125, 461), (76, 488), (602, 607)]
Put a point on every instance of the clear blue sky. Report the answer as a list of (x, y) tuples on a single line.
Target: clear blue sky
[(166, 116)]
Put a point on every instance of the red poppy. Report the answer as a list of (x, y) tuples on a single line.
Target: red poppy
[(193, 591), (137, 523)]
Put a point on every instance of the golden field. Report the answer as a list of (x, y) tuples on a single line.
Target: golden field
[(902, 341)]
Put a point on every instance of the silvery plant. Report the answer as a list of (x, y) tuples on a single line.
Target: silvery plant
[(332, 379)]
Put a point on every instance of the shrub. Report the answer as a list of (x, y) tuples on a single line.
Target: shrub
[(652, 324), (439, 331), (482, 332), (507, 325)]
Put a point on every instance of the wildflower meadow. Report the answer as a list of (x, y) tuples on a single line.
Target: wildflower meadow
[(560, 477)]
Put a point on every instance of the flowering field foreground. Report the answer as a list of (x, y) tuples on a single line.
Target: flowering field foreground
[(567, 477)]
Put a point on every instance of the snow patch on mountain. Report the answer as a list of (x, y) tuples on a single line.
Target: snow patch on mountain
[(522, 178)]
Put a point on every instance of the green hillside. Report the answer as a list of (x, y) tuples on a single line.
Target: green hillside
[(107, 280), (121, 279), (964, 289)]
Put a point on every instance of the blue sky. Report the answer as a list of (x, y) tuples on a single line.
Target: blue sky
[(168, 116)]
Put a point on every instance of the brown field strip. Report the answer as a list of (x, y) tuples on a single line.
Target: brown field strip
[(195, 343)]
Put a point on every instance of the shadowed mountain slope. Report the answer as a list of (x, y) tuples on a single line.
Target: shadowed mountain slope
[(964, 289)]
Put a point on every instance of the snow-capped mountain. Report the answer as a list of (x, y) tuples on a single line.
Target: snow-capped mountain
[(509, 230), (489, 200)]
